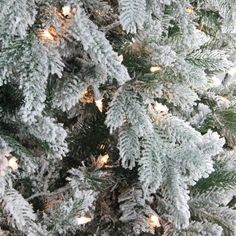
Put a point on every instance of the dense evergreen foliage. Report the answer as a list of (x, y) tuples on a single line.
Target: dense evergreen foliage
[(118, 117)]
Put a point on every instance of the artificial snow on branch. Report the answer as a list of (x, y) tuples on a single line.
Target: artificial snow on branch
[(96, 44), (132, 14)]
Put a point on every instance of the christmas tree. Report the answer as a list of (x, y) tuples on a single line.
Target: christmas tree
[(118, 117)]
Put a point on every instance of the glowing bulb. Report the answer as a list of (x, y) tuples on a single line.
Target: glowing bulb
[(66, 11), (13, 164), (46, 34), (83, 220), (153, 221), (103, 159), (97, 13), (160, 108), (155, 69), (99, 104), (86, 97), (189, 10), (120, 58)]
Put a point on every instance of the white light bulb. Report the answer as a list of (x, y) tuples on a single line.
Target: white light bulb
[(99, 104), (83, 220), (120, 58), (103, 159), (46, 34), (154, 221), (13, 164), (160, 108), (66, 11), (189, 10), (155, 69)]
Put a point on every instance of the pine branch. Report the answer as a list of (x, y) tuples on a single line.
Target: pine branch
[(20, 213), (129, 146), (96, 44), (132, 14), (16, 17)]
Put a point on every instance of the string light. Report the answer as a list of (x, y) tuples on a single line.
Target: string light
[(97, 13), (86, 97), (189, 10), (5, 163), (46, 35), (154, 222), (66, 11), (120, 58), (154, 69), (158, 107), (101, 161), (83, 220), (158, 111), (99, 104), (13, 163)]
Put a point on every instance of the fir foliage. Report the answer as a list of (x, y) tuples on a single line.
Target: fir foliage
[(16, 17), (117, 117), (132, 14)]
